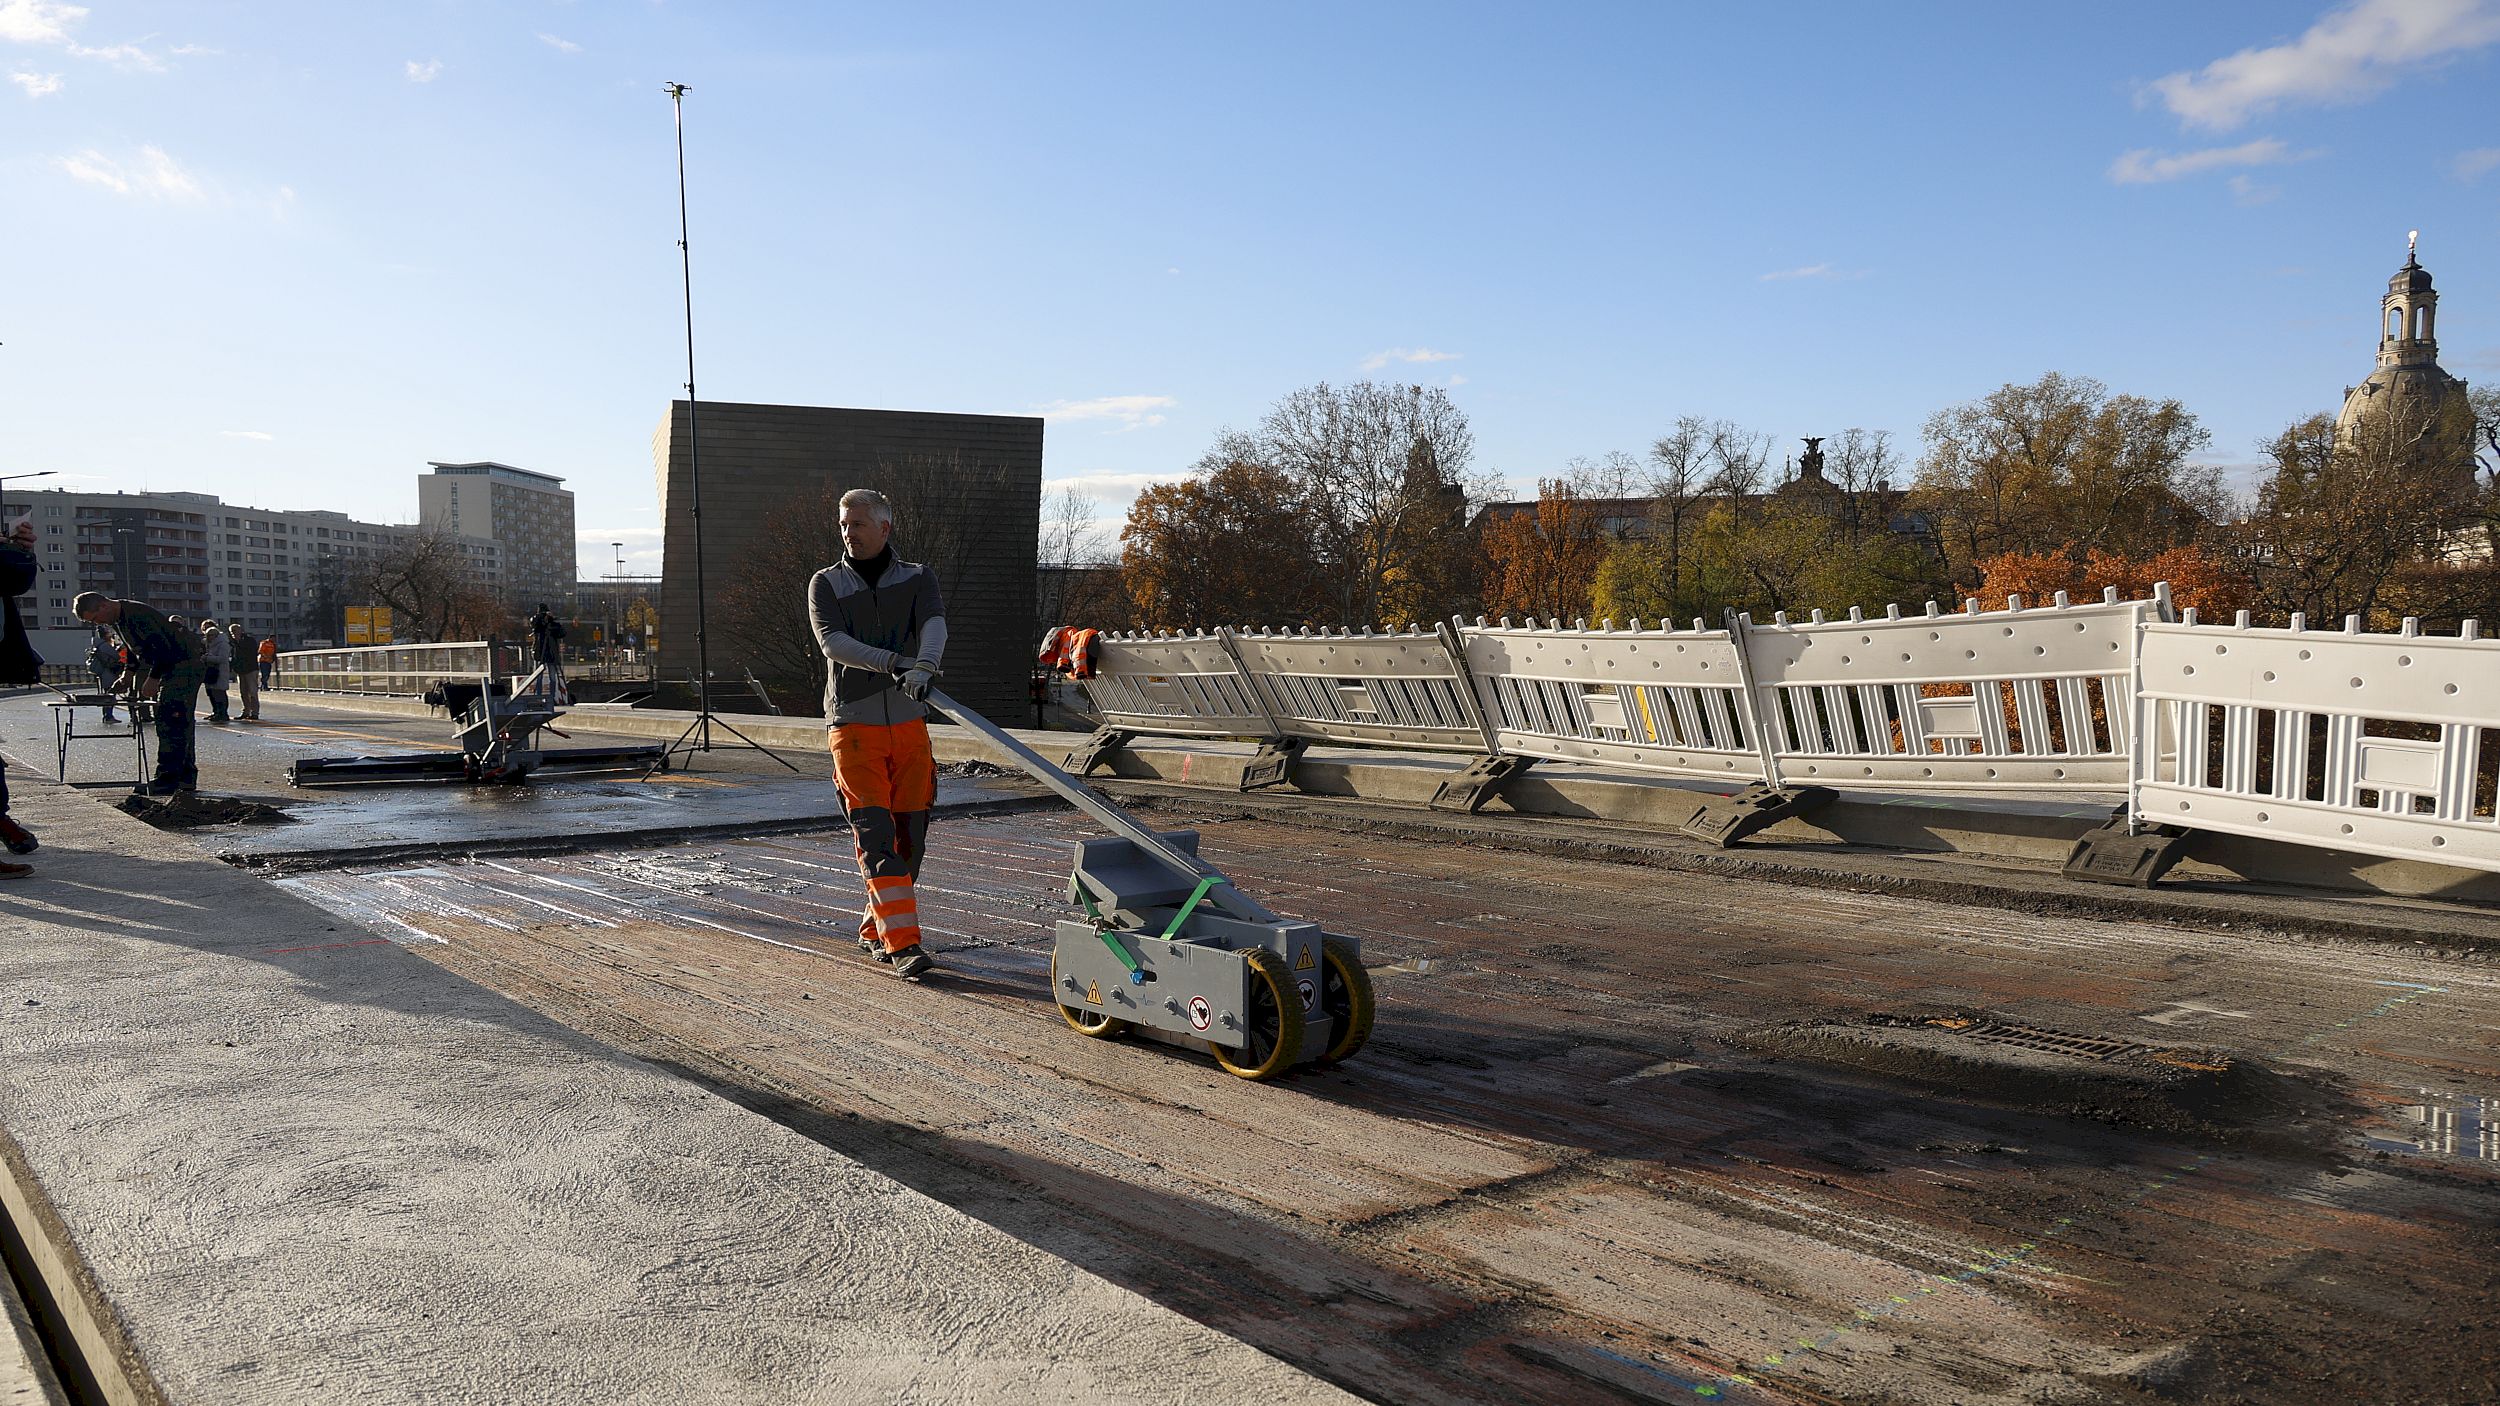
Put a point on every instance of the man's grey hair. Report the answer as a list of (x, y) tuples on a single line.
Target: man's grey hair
[(873, 501), (87, 600)]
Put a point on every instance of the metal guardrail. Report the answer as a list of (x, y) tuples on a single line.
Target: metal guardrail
[(394, 670), (408, 670)]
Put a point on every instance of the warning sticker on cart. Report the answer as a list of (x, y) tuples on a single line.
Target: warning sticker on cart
[(1306, 964), (1200, 1013), (1310, 993), (1093, 992)]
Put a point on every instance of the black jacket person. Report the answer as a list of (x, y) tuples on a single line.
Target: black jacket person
[(19, 667)]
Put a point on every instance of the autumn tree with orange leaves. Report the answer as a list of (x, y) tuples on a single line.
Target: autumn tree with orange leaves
[(1541, 562), (1230, 545)]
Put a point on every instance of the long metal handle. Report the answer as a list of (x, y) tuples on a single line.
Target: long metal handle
[(1099, 806)]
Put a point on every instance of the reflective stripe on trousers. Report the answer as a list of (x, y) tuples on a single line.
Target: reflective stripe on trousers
[(888, 782)]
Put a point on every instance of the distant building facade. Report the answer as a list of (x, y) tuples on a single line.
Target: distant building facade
[(529, 516), (762, 463), (285, 574)]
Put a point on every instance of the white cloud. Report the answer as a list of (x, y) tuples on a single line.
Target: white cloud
[(37, 85), (561, 46), (1812, 271), (1417, 356), (1110, 495), (1133, 412), (129, 56), (198, 51), (2246, 191), (424, 72), (38, 21), (263, 435), (594, 550), (96, 169), (2347, 56), (2472, 165), (2145, 166), (152, 175)]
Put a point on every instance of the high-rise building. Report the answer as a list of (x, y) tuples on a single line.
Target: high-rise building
[(286, 574), (529, 515)]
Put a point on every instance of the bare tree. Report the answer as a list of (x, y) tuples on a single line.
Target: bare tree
[(1613, 474), (1386, 474), (1079, 568), (1738, 459), (1679, 476), (430, 584)]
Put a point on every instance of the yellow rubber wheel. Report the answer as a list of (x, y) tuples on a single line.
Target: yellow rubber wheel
[(1273, 1022), (1345, 994), (1092, 1024)]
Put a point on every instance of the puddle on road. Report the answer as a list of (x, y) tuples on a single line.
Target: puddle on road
[(2443, 1125)]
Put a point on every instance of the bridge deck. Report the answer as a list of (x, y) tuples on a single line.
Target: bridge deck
[(1562, 1162)]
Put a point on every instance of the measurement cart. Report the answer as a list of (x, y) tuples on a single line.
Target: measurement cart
[(1168, 945)]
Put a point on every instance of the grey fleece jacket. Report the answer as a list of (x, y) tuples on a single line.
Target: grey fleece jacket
[(866, 631)]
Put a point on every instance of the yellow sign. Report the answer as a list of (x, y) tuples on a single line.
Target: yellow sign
[(1306, 963), (368, 624), (1093, 992)]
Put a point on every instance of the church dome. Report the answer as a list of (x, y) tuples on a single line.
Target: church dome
[(2412, 278)]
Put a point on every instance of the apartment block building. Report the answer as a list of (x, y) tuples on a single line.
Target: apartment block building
[(287, 574), (529, 515)]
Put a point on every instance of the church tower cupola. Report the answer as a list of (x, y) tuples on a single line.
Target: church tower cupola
[(2408, 315)]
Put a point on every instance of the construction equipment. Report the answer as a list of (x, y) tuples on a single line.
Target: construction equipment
[(1168, 945), (496, 723)]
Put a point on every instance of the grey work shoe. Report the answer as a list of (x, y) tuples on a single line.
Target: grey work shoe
[(911, 962), (874, 950)]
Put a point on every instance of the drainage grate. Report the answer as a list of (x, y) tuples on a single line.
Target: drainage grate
[(2024, 1037)]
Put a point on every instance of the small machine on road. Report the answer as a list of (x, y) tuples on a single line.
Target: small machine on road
[(1169, 945), (497, 728)]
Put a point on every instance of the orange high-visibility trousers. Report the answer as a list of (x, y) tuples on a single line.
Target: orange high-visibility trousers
[(888, 783)]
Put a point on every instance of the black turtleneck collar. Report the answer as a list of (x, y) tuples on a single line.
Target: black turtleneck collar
[(871, 568)]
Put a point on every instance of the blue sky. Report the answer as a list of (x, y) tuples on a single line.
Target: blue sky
[(288, 252)]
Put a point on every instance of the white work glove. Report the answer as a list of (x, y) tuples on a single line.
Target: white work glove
[(916, 679)]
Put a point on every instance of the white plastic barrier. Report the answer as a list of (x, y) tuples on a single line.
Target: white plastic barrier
[(2033, 699), (2372, 743), (1666, 701), (1186, 685), (1392, 690)]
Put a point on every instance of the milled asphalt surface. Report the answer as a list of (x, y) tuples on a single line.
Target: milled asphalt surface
[(301, 1163)]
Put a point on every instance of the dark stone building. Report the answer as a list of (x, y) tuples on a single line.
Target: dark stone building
[(763, 464)]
